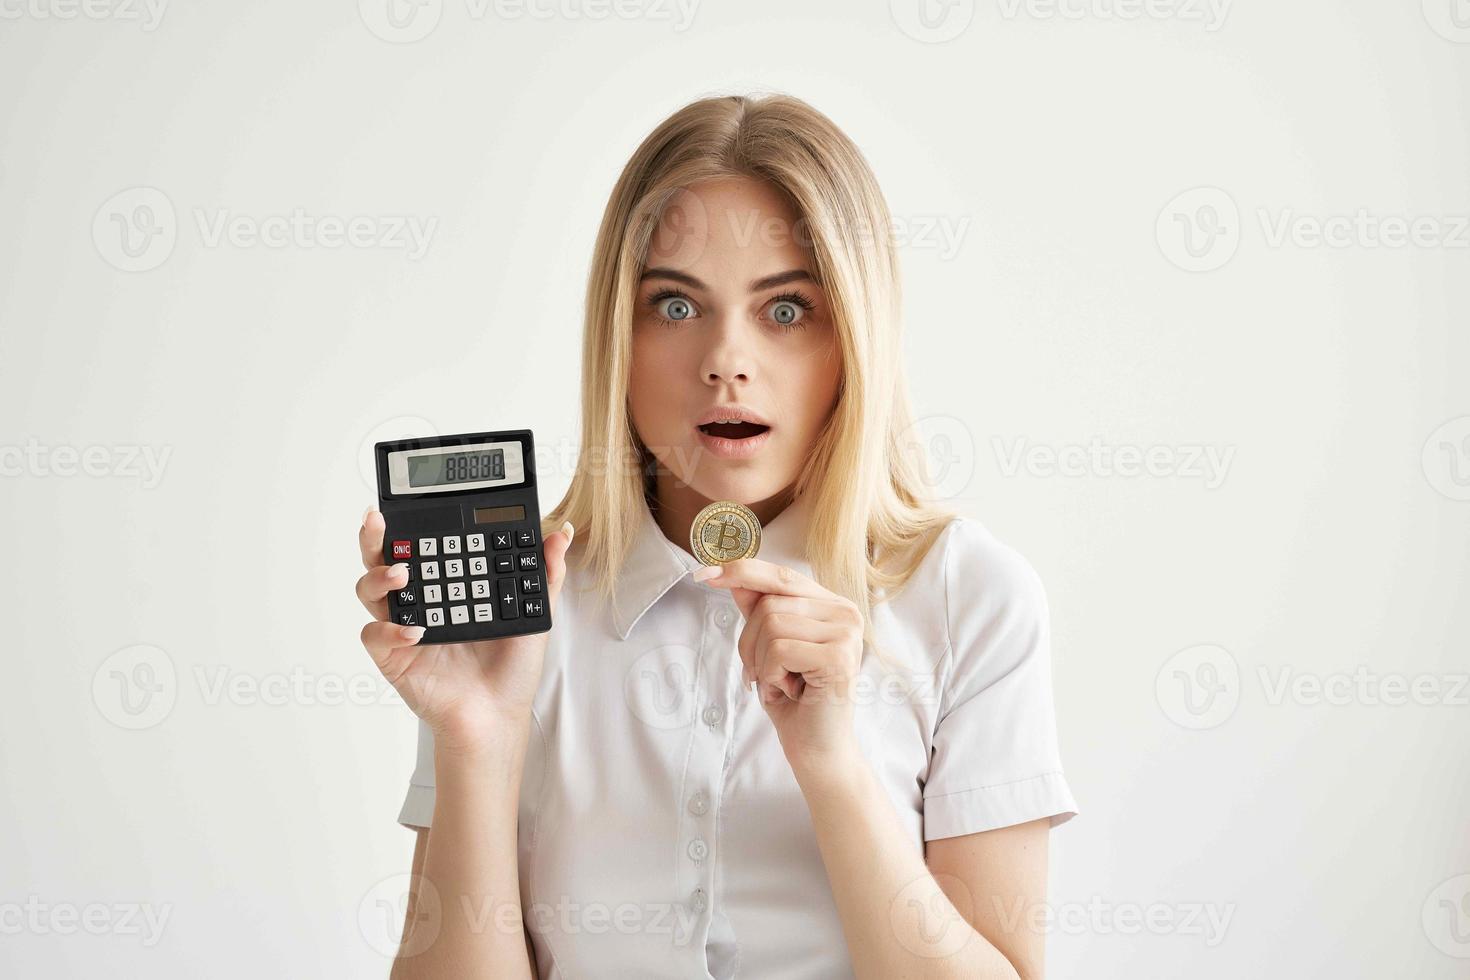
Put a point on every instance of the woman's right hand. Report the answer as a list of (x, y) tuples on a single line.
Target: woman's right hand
[(465, 692)]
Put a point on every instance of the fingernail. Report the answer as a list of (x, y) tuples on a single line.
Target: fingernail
[(413, 633), (569, 531), (367, 513), (707, 572), (400, 570)]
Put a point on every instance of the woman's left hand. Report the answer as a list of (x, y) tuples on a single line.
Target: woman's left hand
[(804, 645)]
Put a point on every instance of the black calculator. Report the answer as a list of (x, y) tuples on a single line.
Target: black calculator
[(462, 513)]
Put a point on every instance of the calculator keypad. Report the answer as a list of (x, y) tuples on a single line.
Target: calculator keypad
[(494, 575)]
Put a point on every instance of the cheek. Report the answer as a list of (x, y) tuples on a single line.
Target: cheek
[(653, 386)]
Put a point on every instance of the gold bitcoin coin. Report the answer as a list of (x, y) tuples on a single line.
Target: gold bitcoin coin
[(724, 532)]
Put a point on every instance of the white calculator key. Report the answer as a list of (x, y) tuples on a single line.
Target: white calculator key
[(483, 612), (451, 544), (429, 570), (474, 542), (479, 566), (480, 589), (456, 591), (434, 617), (454, 568), (431, 594), (459, 614), (427, 547)]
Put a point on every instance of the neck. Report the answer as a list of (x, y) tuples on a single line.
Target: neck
[(677, 503)]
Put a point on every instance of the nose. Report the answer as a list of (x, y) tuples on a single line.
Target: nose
[(729, 357)]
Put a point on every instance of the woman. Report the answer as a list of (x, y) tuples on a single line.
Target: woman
[(606, 799)]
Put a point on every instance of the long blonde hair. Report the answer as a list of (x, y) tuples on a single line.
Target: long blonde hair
[(871, 521)]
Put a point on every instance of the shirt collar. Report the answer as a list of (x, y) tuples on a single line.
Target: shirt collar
[(655, 564)]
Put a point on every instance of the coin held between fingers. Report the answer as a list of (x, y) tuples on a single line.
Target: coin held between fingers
[(724, 531)]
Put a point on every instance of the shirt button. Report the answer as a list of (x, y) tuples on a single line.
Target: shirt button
[(699, 804), (698, 901), (724, 618), (713, 715), (698, 849)]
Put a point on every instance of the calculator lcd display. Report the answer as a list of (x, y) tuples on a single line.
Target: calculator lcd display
[(457, 468), (442, 469)]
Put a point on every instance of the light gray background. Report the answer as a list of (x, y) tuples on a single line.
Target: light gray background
[(1091, 197)]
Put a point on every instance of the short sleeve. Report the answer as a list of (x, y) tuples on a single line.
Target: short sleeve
[(418, 804), (995, 761)]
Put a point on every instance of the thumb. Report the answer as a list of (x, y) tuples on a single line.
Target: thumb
[(555, 548)]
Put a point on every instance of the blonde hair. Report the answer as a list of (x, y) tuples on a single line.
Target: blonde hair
[(871, 523)]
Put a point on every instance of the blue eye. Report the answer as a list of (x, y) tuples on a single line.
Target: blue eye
[(671, 307), (786, 313), (789, 310)]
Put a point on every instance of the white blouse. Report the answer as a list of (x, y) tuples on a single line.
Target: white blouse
[(661, 830)]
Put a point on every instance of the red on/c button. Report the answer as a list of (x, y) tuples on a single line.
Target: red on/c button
[(402, 549)]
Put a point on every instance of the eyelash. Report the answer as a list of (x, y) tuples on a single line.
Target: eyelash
[(791, 296)]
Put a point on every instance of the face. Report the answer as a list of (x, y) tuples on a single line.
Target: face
[(729, 320)]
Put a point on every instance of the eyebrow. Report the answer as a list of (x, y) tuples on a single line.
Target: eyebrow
[(767, 282)]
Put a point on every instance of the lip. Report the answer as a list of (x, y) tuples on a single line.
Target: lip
[(725, 413), (733, 448)]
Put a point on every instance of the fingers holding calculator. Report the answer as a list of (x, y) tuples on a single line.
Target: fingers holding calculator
[(461, 588)]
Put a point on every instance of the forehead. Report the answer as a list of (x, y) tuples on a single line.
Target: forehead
[(732, 228)]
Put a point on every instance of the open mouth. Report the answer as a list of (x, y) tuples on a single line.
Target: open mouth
[(733, 430)]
